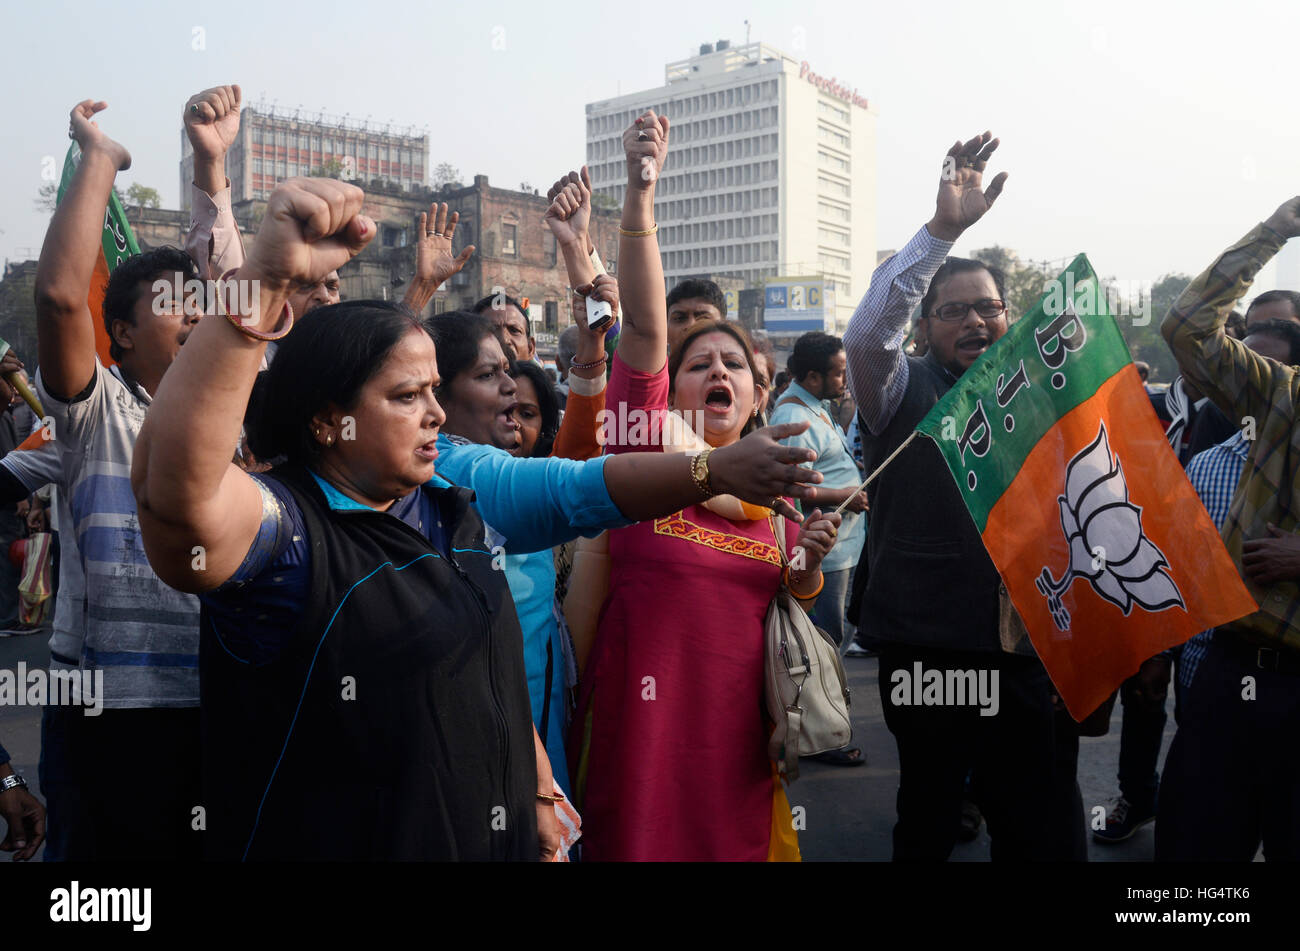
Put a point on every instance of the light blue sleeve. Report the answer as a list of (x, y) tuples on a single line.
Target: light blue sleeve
[(535, 503), (810, 438)]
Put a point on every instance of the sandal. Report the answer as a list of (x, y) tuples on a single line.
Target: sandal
[(844, 756)]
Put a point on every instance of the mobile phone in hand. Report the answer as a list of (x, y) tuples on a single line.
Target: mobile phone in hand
[(599, 314)]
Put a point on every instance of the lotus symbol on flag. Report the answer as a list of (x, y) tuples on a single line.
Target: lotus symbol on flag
[(1107, 544)]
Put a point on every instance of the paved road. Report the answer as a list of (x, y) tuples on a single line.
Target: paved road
[(849, 812)]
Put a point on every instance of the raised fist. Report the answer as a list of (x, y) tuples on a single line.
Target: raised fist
[(569, 216), (212, 120), (312, 226), (645, 143), (1286, 220), (90, 137)]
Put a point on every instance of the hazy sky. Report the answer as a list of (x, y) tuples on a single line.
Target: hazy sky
[(1148, 134)]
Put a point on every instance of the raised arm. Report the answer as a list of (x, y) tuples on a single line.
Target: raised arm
[(569, 218), (643, 343), (873, 342), (211, 121), (579, 437), (434, 263), (190, 497), (64, 325), (1238, 380)]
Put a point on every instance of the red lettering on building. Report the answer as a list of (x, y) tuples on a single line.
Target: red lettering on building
[(832, 86)]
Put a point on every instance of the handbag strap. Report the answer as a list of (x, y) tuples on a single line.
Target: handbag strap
[(820, 414), (778, 536), (793, 728)]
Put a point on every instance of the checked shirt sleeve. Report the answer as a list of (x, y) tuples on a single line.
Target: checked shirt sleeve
[(1237, 380), (873, 343)]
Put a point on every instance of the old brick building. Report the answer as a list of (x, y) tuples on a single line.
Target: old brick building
[(18, 309), (515, 250)]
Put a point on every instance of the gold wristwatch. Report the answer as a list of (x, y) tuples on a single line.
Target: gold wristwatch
[(700, 472)]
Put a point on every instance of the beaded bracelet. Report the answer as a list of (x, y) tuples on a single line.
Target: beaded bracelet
[(587, 366)]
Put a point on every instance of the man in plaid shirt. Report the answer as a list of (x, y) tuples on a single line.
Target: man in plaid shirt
[(1232, 778)]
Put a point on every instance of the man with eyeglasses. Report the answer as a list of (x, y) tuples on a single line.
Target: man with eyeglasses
[(933, 597)]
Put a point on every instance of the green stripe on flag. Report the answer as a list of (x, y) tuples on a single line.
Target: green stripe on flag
[(119, 241), (1050, 361)]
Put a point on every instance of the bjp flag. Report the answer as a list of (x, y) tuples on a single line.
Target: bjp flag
[(1104, 547), (118, 245)]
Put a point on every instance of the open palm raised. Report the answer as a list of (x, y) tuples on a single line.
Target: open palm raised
[(962, 200), (434, 262)]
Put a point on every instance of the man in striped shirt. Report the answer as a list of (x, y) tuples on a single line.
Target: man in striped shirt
[(1231, 777), (136, 763)]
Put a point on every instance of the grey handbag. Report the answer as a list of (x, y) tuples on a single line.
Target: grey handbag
[(804, 686)]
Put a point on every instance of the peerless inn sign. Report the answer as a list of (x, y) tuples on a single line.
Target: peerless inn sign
[(831, 86)]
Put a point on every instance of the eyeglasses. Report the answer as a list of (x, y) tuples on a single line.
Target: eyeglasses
[(988, 308)]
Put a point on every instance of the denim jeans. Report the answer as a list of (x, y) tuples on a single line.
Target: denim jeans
[(828, 609)]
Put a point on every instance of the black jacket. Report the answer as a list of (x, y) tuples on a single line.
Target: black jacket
[(396, 723), (930, 581)]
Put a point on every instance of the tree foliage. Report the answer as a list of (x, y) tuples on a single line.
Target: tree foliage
[(1024, 280), (330, 168), (142, 196), (446, 175), (47, 197)]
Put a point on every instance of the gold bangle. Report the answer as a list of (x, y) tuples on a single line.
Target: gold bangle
[(700, 472), (638, 234), (547, 798), (804, 597)]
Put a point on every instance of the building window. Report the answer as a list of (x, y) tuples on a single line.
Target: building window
[(548, 247), (551, 312), (439, 305), (508, 236)]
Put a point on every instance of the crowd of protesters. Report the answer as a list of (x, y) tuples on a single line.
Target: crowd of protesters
[(524, 618)]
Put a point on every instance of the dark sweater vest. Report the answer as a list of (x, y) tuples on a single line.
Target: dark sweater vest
[(931, 582), (396, 724)]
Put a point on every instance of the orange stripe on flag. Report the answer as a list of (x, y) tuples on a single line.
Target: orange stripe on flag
[(36, 440), (1101, 645), (95, 301)]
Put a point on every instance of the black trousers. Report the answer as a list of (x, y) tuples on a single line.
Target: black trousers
[(1142, 731), (1022, 762), (1232, 776), (137, 772)]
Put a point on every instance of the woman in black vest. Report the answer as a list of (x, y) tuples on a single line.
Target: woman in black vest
[(362, 673)]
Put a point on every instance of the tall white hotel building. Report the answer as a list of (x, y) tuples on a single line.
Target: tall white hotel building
[(771, 170)]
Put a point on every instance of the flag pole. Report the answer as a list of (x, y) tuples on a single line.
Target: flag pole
[(879, 469)]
